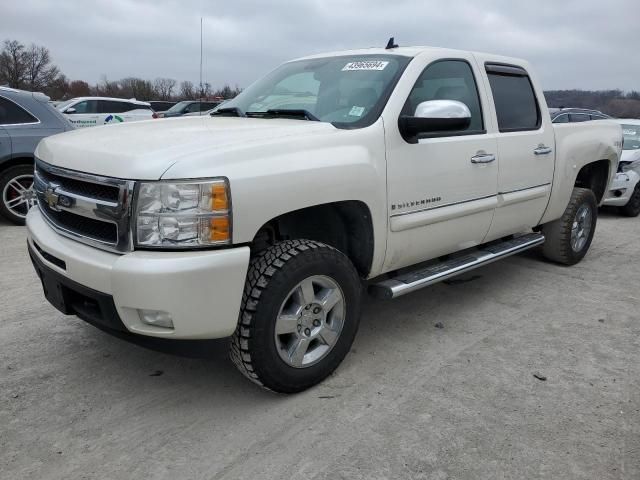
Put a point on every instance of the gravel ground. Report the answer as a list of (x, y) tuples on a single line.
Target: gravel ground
[(412, 401)]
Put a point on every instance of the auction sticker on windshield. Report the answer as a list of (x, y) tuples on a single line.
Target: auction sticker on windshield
[(370, 65)]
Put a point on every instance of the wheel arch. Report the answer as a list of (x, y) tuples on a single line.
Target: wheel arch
[(13, 162), (595, 176), (345, 225)]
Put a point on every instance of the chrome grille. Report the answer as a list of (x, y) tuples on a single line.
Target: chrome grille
[(91, 209)]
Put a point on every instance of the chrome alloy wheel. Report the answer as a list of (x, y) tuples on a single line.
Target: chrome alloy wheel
[(310, 321), (581, 228), (18, 195)]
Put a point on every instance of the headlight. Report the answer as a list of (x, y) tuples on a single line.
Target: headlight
[(183, 214)]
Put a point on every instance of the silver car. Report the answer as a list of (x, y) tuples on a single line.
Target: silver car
[(25, 119)]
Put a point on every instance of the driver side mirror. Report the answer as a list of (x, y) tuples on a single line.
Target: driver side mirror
[(435, 116), (70, 110)]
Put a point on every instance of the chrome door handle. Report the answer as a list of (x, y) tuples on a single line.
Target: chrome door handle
[(542, 150), (483, 158)]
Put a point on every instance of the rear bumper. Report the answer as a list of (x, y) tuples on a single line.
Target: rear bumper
[(201, 291), (621, 188)]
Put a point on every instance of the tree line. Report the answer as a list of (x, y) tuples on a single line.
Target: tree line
[(612, 102), (32, 68)]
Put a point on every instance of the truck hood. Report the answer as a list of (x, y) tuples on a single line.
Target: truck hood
[(145, 150)]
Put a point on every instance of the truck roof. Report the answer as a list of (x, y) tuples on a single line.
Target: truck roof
[(411, 51)]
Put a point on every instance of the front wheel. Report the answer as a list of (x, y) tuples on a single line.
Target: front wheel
[(299, 315), (632, 208), (568, 239), (17, 195)]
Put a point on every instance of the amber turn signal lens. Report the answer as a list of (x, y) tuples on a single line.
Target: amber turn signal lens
[(219, 229), (219, 199)]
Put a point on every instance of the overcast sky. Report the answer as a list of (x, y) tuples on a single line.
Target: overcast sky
[(589, 44)]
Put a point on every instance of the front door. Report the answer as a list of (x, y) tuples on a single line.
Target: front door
[(441, 186), (84, 114)]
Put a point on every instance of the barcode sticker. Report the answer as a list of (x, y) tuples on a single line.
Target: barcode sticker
[(372, 65)]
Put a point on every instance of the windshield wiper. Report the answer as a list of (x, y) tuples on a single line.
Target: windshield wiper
[(232, 111), (298, 113)]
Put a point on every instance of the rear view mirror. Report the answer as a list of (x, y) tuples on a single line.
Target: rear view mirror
[(435, 116), (70, 110)]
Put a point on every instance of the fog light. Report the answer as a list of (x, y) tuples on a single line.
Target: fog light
[(156, 318)]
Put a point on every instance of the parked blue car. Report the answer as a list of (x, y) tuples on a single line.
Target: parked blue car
[(25, 119)]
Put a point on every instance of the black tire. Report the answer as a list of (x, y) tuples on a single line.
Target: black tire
[(18, 213), (272, 277), (632, 208), (558, 246)]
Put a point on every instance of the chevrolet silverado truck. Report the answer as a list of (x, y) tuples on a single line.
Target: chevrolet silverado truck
[(266, 222)]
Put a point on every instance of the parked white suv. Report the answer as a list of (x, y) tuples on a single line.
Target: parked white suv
[(387, 168), (94, 111), (625, 189)]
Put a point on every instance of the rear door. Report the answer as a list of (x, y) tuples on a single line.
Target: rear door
[(526, 144), (5, 145)]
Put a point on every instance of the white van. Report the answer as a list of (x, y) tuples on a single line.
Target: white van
[(93, 111)]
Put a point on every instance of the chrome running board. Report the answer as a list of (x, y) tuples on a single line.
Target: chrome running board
[(461, 263)]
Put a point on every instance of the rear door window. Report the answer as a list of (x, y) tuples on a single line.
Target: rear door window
[(515, 100), (579, 117), (13, 114)]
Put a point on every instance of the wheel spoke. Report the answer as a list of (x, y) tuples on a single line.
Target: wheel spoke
[(328, 336), (307, 293), (15, 202), (330, 300), (297, 351), (286, 324), (17, 186)]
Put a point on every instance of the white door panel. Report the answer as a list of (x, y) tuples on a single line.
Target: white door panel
[(526, 144), (440, 198)]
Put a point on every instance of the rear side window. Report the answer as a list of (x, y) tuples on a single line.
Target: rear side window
[(579, 117), (514, 98), (12, 114)]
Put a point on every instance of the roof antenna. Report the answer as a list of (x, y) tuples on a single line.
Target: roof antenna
[(391, 44)]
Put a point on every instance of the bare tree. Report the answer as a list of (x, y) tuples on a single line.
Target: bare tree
[(12, 64), (40, 73), (133, 87), (186, 90), (163, 88), (79, 88)]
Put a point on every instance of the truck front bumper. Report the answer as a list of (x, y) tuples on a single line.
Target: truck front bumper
[(200, 291), (621, 188)]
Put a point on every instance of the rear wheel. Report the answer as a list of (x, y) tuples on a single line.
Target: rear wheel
[(568, 239), (17, 195), (632, 208), (299, 315)]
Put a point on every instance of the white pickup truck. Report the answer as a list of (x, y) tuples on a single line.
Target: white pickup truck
[(389, 169)]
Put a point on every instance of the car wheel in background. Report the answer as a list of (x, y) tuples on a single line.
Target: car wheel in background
[(632, 208), (568, 239), (299, 315), (16, 193)]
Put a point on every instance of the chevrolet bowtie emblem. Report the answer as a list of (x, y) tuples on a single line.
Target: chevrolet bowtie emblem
[(51, 197)]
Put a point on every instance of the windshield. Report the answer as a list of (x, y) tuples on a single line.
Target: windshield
[(178, 107), (631, 137), (62, 106), (348, 91)]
